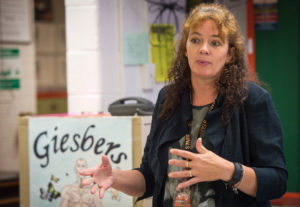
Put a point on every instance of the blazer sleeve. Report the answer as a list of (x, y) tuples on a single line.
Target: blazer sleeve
[(266, 147), (145, 167)]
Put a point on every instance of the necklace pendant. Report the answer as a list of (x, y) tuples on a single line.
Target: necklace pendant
[(182, 198)]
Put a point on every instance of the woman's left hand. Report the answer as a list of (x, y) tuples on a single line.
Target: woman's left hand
[(205, 166)]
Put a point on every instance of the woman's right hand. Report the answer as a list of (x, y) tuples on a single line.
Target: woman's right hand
[(101, 176)]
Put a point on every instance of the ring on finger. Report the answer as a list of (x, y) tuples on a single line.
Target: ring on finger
[(187, 164), (190, 172)]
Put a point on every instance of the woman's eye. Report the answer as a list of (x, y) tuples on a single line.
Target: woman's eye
[(194, 40), (215, 43)]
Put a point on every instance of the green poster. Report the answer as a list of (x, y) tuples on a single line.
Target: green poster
[(9, 68)]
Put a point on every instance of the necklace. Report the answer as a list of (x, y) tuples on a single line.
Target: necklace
[(183, 197), (202, 128)]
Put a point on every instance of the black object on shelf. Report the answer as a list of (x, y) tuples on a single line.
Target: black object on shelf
[(130, 106)]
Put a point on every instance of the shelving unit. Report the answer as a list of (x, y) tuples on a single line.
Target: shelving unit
[(9, 189)]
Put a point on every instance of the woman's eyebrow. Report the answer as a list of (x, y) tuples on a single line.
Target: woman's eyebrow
[(199, 34)]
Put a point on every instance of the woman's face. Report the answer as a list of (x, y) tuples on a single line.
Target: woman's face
[(207, 53)]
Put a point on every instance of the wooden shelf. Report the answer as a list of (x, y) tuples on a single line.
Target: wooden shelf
[(9, 189)]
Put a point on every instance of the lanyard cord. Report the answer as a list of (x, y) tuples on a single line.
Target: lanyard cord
[(202, 128)]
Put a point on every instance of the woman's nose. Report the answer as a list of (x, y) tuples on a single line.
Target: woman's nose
[(204, 48)]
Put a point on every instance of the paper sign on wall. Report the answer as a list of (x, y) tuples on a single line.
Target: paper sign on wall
[(135, 49), (265, 14), (15, 21), (162, 38), (9, 68), (60, 146)]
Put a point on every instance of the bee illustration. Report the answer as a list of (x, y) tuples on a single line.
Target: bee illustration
[(49, 194), (54, 179)]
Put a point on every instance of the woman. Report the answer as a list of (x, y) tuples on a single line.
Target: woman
[(239, 160)]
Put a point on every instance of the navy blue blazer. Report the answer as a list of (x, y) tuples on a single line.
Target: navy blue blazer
[(253, 137)]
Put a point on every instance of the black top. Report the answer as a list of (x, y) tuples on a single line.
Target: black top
[(253, 137)]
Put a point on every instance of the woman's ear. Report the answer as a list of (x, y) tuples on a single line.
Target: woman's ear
[(230, 54)]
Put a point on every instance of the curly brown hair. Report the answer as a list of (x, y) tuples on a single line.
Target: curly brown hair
[(234, 75)]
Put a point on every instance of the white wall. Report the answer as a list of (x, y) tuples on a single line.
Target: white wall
[(17, 101), (96, 75)]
